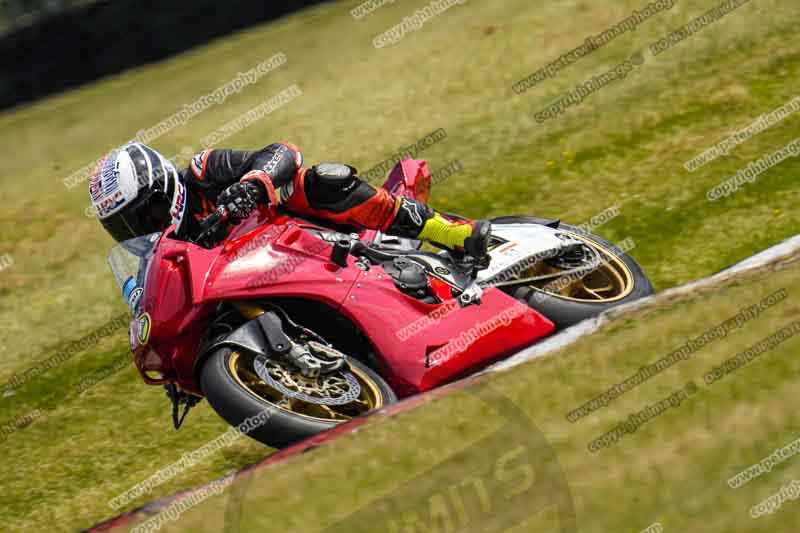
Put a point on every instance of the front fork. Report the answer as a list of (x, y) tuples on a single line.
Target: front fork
[(311, 358)]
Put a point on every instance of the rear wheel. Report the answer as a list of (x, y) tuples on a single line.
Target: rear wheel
[(594, 277), (239, 385)]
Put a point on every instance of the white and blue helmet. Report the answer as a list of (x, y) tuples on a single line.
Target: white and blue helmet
[(136, 191)]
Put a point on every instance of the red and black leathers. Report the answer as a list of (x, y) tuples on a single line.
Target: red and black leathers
[(331, 192)]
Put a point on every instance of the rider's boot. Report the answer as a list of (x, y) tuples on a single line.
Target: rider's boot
[(416, 220)]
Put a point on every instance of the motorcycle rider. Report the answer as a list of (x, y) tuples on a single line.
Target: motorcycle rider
[(136, 191)]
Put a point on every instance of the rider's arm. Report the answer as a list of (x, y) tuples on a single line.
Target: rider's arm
[(212, 171), (219, 168)]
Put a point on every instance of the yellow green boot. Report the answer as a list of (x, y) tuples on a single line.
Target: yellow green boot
[(416, 220)]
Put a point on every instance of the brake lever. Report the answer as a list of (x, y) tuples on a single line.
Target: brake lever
[(211, 223)]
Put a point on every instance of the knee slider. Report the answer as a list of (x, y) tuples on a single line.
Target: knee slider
[(332, 174), (335, 187)]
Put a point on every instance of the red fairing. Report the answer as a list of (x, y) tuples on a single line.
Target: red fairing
[(286, 261), (424, 346), (270, 255), (175, 321)]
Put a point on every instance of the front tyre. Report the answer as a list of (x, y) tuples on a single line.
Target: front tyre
[(296, 407)]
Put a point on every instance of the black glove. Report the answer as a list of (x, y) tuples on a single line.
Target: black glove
[(240, 199)]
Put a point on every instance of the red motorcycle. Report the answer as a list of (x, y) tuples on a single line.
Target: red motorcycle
[(314, 325)]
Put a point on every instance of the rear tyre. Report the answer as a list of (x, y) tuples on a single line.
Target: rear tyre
[(619, 280)]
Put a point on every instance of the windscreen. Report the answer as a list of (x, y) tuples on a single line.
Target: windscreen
[(128, 261)]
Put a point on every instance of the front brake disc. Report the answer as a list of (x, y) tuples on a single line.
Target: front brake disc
[(337, 389)]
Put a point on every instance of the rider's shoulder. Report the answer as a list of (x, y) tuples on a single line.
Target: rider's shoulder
[(199, 164)]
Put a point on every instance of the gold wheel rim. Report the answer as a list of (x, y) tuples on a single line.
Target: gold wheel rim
[(617, 273), (241, 368)]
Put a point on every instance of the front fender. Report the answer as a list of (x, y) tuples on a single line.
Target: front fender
[(255, 336)]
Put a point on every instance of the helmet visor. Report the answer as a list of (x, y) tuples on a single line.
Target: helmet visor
[(149, 214)]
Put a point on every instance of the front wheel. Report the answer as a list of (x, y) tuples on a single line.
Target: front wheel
[(296, 407), (607, 277)]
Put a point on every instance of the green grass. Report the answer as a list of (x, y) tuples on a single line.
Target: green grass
[(624, 146)]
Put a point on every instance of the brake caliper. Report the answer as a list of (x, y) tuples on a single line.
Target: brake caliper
[(314, 359)]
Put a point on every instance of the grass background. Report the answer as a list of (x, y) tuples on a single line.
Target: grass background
[(624, 146)]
